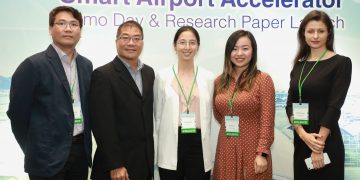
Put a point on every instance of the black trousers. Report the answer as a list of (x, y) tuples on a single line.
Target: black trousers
[(75, 168), (190, 164)]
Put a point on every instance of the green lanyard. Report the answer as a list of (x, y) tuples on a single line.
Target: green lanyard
[(231, 102), (72, 85), (182, 90), (72, 92), (300, 83)]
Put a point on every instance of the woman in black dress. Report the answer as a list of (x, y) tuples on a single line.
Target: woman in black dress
[(319, 83)]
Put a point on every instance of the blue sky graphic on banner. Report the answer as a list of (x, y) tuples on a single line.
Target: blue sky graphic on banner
[(274, 23)]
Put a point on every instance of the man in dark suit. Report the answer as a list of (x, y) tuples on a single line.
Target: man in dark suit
[(121, 109), (48, 104)]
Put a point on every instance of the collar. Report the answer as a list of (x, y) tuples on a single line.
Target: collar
[(140, 64), (63, 57), (176, 67)]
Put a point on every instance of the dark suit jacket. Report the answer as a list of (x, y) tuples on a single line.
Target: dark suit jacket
[(122, 121), (41, 112)]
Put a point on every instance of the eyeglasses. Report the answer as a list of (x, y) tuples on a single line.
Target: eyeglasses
[(64, 24), (185, 43), (127, 39)]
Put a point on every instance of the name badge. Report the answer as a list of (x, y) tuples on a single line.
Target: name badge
[(232, 126), (78, 119), (188, 123), (301, 113)]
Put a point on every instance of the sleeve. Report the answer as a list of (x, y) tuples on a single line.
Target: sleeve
[(289, 100), (214, 125), (267, 115), (103, 121), (338, 91), (217, 114), (158, 104), (158, 100), (22, 92)]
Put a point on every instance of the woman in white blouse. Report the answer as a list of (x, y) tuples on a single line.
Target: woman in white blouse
[(183, 112)]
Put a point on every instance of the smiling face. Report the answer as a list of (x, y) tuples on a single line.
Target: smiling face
[(129, 43), (65, 31), (242, 53), (186, 46), (316, 34)]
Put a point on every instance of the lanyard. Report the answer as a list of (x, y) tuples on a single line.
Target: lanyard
[(182, 90), (73, 76), (72, 92), (231, 102), (300, 83)]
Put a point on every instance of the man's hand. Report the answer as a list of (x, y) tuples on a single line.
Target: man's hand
[(119, 174)]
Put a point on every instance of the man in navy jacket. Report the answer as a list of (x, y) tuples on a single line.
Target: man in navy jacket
[(48, 103)]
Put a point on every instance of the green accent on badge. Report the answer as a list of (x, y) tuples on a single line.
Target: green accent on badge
[(302, 122), (188, 131), (234, 134), (78, 121)]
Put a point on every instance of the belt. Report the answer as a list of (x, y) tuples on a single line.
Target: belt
[(78, 138)]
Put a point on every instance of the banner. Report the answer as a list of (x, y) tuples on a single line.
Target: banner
[(274, 23)]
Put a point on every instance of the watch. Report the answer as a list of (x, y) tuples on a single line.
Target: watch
[(262, 154)]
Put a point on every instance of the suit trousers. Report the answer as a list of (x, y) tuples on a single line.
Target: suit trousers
[(190, 164), (76, 167)]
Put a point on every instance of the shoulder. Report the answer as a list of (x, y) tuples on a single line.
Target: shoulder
[(84, 59), (105, 69), (37, 58), (164, 73), (206, 73), (217, 80), (338, 63), (86, 63), (148, 68), (264, 77), (148, 73), (342, 59), (342, 64), (36, 62)]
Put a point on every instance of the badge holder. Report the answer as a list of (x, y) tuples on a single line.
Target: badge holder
[(232, 126), (301, 113), (188, 123), (78, 119)]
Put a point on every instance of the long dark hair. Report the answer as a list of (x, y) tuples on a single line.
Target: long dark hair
[(247, 78), (186, 28), (304, 49)]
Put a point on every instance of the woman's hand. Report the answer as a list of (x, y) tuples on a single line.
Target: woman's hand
[(260, 164), (317, 160), (312, 142)]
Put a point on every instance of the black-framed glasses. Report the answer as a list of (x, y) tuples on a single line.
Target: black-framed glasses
[(127, 39), (71, 24)]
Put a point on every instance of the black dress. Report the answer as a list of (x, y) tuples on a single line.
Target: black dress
[(325, 90)]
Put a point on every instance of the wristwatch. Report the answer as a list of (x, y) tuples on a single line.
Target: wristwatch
[(262, 154)]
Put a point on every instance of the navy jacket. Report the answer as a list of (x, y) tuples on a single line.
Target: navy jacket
[(41, 113)]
